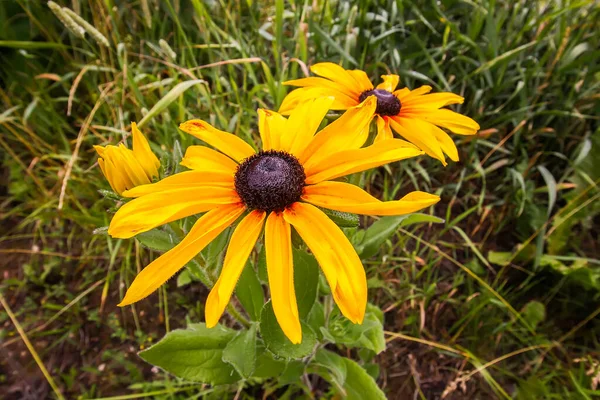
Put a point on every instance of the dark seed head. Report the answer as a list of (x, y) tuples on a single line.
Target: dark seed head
[(387, 103), (270, 181)]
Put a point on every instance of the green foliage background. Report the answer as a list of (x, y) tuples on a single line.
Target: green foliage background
[(499, 302)]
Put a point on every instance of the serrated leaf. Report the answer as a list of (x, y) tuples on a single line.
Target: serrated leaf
[(368, 335), (157, 239), (250, 293), (306, 281), (278, 343), (194, 354), (267, 366), (241, 352), (342, 219)]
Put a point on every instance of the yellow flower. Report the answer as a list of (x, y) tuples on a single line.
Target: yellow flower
[(413, 114), (279, 188), (125, 169)]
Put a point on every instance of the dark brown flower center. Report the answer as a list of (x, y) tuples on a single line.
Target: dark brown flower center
[(270, 181), (387, 104)]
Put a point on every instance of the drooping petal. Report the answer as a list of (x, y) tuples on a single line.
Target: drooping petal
[(208, 227), (342, 100), (280, 268), (389, 82), (155, 209), (350, 161), (240, 245), (303, 124), (445, 142), (384, 132), (225, 142), (345, 197), (350, 131), (448, 119), (202, 158), (143, 153), (336, 256), (339, 75), (187, 179), (419, 133), (272, 126)]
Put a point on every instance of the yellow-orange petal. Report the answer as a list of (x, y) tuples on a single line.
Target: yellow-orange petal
[(345, 197), (225, 142), (339, 75), (430, 102), (389, 82), (420, 133), (280, 269), (132, 167), (202, 158), (160, 270), (350, 161), (240, 245), (384, 132), (143, 153), (303, 124), (448, 119), (336, 256), (350, 131), (414, 93), (155, 209), (318, 83), (182, 180), (363, 81), (342, 100), (272, 126)]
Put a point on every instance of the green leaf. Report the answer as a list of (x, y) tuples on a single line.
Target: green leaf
[(534, 312), (15, 44), (384, 228), (250, 292), (157, 239), (349, 378), (278, 343), (316, 319), (184, 278), (292, 373), (342, 219), (168, 99), (368, 335), (306, 281), (241, 352), (267, 366), (194, 354)]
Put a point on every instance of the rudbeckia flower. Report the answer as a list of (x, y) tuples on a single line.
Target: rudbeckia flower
[(124, 168), (413, 114), (278, 187)]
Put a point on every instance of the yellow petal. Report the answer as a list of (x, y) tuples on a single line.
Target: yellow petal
[(384, 132), (202, 158), (225, 142), (182, 180), (445, 142), (342, 100), (389, 82), (240, 245), (339, 75), (319, 83), (402, 93), (420, 133), (336, 256), (416, 93), (303, 124), (118, 180), (345, 197), (155, 209), (451, 120), (350, 131), (99, 150), (280, 268), (160, 270), (364, 83), (430, 102), (133, 168), (356, 160), (272, 126), (106, 175), (143, 153), (116, 165)]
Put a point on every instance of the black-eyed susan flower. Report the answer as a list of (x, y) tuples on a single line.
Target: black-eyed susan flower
[(413, 114), (124, 168), (276, 188)]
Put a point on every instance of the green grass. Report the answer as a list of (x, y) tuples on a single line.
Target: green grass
[(500, 302)]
